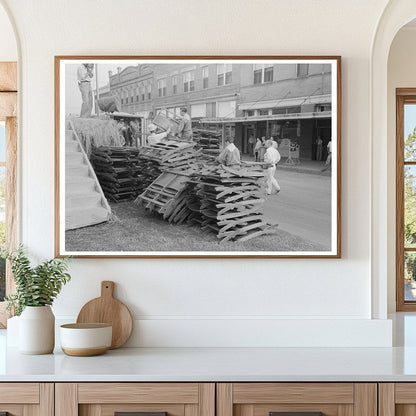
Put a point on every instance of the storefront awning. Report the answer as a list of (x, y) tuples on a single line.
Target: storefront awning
[(286, 102), (292, 116)]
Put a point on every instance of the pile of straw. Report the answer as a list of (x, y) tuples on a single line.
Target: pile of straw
[(97, 132)]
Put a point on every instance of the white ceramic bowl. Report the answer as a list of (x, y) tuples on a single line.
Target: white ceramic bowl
[(83, 340)]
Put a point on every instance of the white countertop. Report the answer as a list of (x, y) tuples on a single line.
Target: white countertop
[(222, 364), (215, 364)]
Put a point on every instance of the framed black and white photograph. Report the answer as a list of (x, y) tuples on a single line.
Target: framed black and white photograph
[(198, 156)]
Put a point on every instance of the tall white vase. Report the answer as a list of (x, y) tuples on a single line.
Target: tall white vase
[(37, 330)]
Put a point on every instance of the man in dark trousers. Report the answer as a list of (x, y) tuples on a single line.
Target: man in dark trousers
[(185, 126)]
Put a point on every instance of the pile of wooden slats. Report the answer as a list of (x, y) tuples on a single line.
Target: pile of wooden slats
[(167, 196), (229, 202), (166, 155), (117, 170), (208, 140), (218, 199)]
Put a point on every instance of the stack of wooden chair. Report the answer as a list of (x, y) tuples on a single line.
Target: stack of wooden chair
[(167, 196), (229, 202), (208, 140), (117, 170), (166, 155), (218, 199)]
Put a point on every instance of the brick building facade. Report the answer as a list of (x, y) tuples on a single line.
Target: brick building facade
[(287, 100)]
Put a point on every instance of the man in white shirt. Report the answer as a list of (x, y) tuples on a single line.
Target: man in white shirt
[(275, 145), (153, 137), (271, 157), (84, 77), (329, 157)]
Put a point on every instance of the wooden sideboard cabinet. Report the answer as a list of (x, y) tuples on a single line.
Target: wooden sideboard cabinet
[(262, 399), (208, 399), (154, 399), (27, 399)]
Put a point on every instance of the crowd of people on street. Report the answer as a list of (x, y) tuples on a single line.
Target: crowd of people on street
[(266, 152), (260, 147)]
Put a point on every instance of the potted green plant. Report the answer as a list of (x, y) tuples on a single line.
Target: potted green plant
[(36, 289)]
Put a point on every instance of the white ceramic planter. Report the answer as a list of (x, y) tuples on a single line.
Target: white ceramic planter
[(37, 330)]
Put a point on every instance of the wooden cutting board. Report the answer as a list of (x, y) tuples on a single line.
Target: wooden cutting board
[(107, 309)]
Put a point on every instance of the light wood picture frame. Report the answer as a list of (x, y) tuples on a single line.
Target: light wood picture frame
[(163, 156)]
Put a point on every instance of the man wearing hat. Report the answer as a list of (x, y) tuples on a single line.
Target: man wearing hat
[(153, 137), (185, 126)]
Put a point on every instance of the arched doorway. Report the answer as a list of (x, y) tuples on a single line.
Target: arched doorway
[(396, 15)]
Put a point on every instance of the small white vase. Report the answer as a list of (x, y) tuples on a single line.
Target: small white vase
[(37, 330)]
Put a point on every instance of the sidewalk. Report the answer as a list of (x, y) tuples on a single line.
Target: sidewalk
[(304, 166)]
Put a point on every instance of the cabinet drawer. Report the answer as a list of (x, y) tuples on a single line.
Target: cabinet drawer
[(138, 393), (297, 399), (146, 399)]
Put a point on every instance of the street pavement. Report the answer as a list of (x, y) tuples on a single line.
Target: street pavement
[(303, 205)]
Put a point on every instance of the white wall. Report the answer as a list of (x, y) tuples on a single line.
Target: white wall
[(203, 302), (8, 47), (401, 74)]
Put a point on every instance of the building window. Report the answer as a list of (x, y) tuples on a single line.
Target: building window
[(263, 112), (188, 81), (142, 92), (122, 101), (323, 107), (302, 70), (249, 113), (149, 91), (161, 87), (406, 199), (291, 110), (137, 98), (175, 84), (257, 73), (268, 73), (205, 77), (262, 73), (211, 110), (224, 74)]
